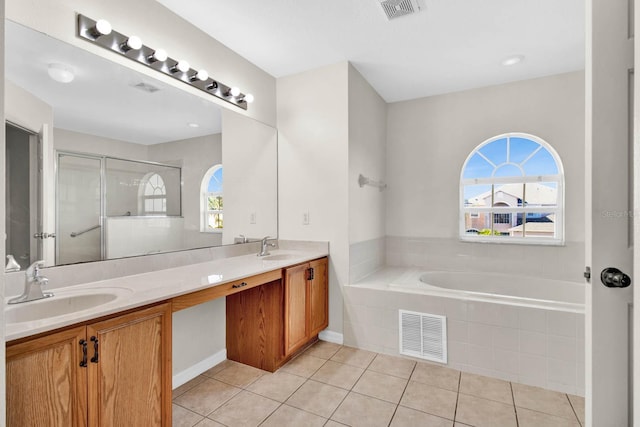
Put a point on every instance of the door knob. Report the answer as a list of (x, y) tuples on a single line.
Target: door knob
[(614, 278)]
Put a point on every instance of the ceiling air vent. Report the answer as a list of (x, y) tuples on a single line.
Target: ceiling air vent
[(397, 8)]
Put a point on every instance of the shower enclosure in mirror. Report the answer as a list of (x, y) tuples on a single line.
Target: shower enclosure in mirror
[(124, 160), (113, 208)]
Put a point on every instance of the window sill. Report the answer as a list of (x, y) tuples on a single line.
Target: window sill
[(512, 241), (211, 231)]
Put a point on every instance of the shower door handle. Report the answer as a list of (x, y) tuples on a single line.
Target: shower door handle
[(43, 235), (614, 278)]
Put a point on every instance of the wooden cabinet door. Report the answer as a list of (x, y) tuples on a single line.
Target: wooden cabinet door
[(296, 327), (319, 296), (46, 386), (130, 381)]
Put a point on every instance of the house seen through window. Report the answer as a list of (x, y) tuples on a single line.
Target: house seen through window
[(212, 203), (511, 190)]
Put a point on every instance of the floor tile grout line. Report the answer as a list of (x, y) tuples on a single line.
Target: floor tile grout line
[(515, 408), (455, 411), (574, 410), (403, 392)]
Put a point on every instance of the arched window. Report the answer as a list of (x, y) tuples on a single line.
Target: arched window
[(155, 195), (512, 190), (211, 201)]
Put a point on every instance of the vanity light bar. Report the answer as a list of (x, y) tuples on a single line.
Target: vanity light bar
[(132, 48)]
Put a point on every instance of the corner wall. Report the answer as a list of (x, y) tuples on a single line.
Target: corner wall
[(367, 151), (313, 166)]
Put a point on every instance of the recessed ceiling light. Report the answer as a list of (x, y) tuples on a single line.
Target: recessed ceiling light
[(61, 73), (193, 125), (512, 60)]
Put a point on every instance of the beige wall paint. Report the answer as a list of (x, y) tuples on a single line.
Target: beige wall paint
[(160, 28), (367, 151), (313, 138), (430, 138)]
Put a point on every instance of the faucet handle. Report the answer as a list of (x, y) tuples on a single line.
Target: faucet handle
[(34, 269)]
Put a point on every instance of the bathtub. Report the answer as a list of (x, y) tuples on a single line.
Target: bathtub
[(496, 288), (522, 329)]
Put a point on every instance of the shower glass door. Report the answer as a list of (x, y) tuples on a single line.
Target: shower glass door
[(79, 207)]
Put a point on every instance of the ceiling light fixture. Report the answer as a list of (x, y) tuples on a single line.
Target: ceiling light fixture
[(101, 34), (61, 73), (512, 60)]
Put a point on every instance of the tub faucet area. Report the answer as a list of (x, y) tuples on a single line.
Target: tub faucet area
[(33, 284)]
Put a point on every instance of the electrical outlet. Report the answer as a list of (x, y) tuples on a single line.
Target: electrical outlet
[(305, 218), (252, 218)]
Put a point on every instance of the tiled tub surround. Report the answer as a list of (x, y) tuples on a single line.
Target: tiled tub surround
[(157, 283), (536, 346)]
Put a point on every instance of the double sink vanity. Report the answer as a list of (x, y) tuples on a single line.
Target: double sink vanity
[(100, 353)]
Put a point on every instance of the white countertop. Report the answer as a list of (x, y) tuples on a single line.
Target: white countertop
[(147, 288)]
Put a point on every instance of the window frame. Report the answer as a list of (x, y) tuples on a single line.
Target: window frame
[(204, 201), (558, 210)]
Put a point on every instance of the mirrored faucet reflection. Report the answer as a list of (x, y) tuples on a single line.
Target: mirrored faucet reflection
[(33, 284)]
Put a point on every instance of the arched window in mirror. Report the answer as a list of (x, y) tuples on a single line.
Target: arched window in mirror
[(512, 190), (211, 201), (154, 197)]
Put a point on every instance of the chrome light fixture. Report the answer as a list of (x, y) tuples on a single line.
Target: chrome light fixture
[(100, 33)]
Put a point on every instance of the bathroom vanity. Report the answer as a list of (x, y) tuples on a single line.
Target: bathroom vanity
[(112, 365)]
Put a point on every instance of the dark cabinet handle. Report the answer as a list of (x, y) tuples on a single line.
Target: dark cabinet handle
[(83, 362), (236, 286), (311, 273), (96, 356)]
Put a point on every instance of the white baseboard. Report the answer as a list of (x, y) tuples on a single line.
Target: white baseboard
[(331, 336), (197, 369)]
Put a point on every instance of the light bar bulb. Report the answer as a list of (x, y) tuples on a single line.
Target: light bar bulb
[(234, 91), (183, 66), (101, 28), (201, 75), (132, 43), (249, 98), (158, 55)]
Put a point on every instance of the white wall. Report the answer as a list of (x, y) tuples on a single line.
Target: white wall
[(250, 182), (429, 140), (313, 168), (367, 152)]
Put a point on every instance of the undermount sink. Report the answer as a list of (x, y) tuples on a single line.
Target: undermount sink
[(58, 305), (280, 257)]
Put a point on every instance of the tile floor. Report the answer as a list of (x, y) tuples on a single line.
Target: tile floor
[(332, 385)]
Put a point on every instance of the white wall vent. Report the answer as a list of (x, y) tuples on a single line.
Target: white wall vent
[(423, 335), (397, 8)]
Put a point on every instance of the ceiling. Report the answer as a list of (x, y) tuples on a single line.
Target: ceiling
[(448, 46), (102, 99)]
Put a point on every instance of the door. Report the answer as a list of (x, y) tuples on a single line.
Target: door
[(79, 208), (57, 395), (609, 205), (319, 296), (295, 311), (130, 369)]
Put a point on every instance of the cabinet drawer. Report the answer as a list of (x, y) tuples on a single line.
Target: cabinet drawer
[(195, 298)]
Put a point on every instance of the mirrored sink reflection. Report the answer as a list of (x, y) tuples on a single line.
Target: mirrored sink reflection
[(60, 304)]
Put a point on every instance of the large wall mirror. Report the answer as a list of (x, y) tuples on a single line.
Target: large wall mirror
[(104, 162)]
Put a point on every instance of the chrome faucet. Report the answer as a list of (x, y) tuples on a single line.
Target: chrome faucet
[(33, 284), (264, 245)]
